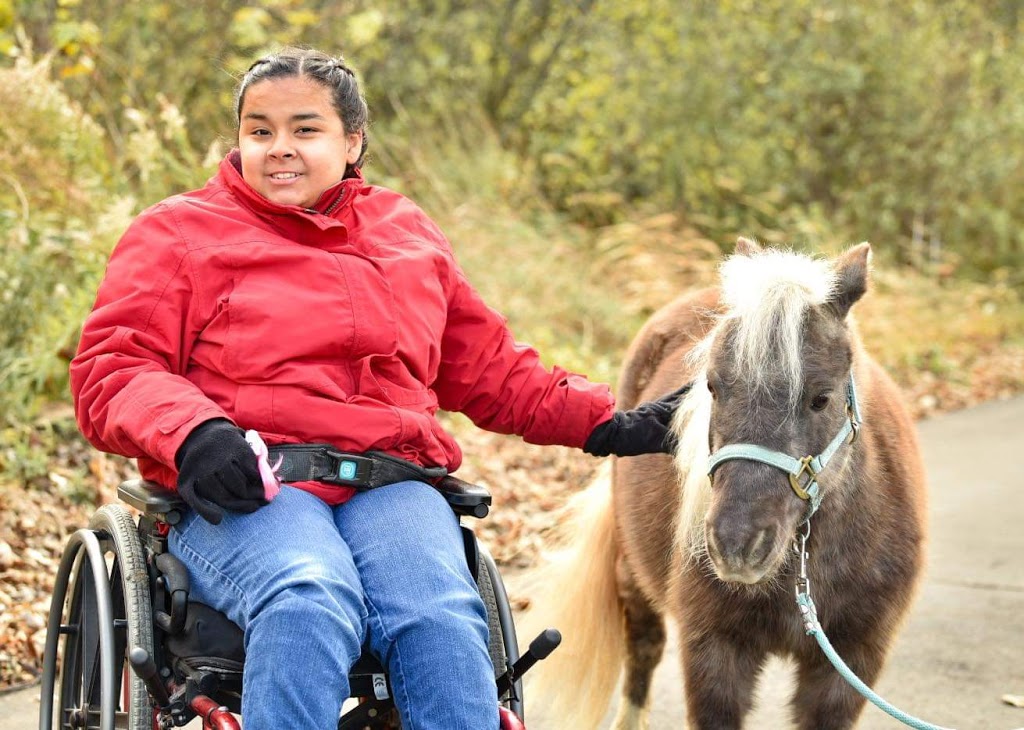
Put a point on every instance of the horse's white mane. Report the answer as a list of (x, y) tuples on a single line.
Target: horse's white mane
[(765, 297)]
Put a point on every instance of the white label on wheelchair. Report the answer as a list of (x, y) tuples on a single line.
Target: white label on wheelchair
[(380, 687)]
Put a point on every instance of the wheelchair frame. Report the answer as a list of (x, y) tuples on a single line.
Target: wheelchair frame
[(120, 616)]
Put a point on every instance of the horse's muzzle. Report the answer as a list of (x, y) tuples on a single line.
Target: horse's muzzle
[(740, 553)]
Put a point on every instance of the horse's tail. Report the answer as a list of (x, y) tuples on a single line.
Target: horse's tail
[(573, 589)]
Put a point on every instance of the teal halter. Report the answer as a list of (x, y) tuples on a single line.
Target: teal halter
[(803, 473)]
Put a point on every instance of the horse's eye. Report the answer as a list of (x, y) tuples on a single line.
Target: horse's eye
[(819, 402), (711, 389)]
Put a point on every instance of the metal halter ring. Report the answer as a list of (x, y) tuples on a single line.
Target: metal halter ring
[(812, 476)]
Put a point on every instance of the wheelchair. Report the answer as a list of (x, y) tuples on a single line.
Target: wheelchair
[(137, 653)]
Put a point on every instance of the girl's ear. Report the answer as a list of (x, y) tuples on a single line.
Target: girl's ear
[(353, 147), (851, 278)]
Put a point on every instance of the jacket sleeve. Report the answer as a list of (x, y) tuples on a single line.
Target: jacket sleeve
[(502, 385), (127, 381)]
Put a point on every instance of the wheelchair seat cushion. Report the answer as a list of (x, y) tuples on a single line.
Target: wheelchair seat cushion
[(208, 640), (211, 642)]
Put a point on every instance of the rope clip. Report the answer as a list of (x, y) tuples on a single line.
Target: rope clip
[(803, 582)]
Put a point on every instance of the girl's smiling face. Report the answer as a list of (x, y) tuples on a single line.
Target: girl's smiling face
[(292, 141)]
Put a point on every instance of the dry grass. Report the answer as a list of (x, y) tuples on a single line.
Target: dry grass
[(949, 344)]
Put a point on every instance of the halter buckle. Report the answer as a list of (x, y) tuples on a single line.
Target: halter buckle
[(812, 476)]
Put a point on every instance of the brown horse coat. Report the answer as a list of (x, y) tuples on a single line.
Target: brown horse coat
[(775, 369)]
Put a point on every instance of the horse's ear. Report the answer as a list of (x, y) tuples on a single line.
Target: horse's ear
[(851, 278), (747, 246)]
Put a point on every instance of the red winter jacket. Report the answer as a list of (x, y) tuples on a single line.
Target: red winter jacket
[(350, 326)]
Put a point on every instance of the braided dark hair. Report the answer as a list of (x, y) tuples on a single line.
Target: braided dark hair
[(327, 71)]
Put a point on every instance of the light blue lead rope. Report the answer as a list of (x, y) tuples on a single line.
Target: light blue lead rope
[(812, 625)]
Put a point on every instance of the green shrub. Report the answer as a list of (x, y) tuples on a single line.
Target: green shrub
[(58, 220), (894, 122)]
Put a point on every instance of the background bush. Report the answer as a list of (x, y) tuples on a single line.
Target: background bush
[(895, 122), (57, 220), (588, 159)]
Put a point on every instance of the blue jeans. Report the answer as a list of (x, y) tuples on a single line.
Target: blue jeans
[(312, 584)]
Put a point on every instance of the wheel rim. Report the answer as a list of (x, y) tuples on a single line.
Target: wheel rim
[(80, 683), (88, 622)]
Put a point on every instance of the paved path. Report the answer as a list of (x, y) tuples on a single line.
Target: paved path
[(963, 645)]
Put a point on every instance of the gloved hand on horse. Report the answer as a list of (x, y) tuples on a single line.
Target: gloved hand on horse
[(218, 470), (644, 430)]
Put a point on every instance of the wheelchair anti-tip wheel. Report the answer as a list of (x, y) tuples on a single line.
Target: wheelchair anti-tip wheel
[(100, 609)]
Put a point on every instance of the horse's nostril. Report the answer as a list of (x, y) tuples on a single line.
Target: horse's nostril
[(728, 541), (712, 540), (759, 546), (737, 545)]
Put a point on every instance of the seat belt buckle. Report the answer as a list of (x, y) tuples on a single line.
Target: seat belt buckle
[(348, 470)]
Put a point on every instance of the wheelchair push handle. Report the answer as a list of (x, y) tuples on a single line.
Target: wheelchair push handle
[(544, 644), (540, 648)]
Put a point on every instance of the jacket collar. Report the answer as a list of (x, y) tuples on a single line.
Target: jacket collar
[(330, 203)]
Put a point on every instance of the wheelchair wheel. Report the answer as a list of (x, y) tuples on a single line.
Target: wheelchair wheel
[(503, 645), (105, 613)]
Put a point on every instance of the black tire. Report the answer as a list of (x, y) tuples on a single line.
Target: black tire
[(495, 635), (79, 687), (503, 645)]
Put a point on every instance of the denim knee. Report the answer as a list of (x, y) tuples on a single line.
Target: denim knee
[(304, 599), (288, 579)]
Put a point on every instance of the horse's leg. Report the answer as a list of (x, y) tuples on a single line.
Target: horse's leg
[(719, 676), (645, 642), (823, 699)]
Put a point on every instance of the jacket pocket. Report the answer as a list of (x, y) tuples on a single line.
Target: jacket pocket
[(386, 379)]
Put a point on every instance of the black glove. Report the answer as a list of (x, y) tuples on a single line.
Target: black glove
[(217, 470), (643, 430)]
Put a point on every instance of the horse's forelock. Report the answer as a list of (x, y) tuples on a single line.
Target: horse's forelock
[(766, 297)]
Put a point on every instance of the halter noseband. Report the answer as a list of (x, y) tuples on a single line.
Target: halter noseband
[(806, 468)]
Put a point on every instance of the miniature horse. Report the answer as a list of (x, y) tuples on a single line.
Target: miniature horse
[(770, 354)]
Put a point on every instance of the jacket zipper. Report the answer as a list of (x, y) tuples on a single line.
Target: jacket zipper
[(331, 208)]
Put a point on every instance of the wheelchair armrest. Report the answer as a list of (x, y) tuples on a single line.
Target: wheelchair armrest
[(465, 498), (152, 499)]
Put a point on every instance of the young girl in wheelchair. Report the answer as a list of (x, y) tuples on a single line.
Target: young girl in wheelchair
[(292, 298)]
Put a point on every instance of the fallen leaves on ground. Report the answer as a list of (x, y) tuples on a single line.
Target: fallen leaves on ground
[(527, 484)]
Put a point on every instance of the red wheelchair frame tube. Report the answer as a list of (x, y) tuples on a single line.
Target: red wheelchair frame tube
[(509, 720), (215, 716)]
